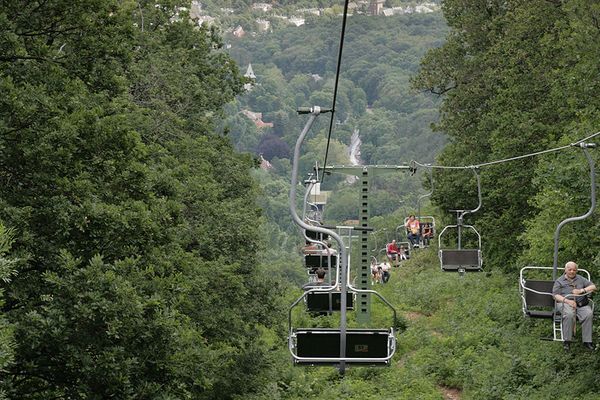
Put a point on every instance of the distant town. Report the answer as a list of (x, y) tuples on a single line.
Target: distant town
[(270, 13)]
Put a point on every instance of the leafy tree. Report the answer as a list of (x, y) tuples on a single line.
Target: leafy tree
[(136, 225), (7, 270), (502, 72)]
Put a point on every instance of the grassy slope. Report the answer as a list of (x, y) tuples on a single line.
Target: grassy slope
[(465, 339)]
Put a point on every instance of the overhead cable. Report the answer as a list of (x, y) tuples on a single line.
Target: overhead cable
[(537, 153), (335, 87)]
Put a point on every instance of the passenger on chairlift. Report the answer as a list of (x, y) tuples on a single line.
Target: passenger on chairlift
[(403, 253), (311, 248), (376, 272), (385, 271), (413, 228), (427, 233), (317, 249), (575, 305), (320, 280), (393, 252), (329, 249)]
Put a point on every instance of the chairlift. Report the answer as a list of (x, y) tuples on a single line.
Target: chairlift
[(340, 346), (537, 299), (459, 259), (536, 294), (426, 224)]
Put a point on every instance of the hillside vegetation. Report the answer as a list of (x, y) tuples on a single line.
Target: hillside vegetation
[(143, 253)]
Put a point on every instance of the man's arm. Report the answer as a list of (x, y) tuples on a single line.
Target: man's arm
[(587, 289), (559, 298)]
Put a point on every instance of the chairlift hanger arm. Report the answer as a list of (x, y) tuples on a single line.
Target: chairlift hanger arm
[(584, 146), (314, 112), (479, 197)]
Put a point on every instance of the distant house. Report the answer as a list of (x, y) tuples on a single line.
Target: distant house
[(314, 11), (206, 20), (297, 21), (264, 164), (195, 10), (263, 25), (264, 7), (376, 7), (256, 117), (388, 12), (238, 32), (423, 9)]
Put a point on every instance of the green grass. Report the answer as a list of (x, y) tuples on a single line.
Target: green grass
[(462, 333)]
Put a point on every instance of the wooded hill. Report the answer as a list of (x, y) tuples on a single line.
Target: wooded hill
[(133, 262)]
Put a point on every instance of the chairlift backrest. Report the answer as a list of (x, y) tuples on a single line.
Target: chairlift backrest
[(328, 301), (320, 346), (319, 261)]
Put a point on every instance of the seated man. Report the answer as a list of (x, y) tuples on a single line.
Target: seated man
[(567, 293), (393, 252), (319, 282), (413, 230)]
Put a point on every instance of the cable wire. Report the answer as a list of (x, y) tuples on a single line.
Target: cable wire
[(537, 153), (335, 87)]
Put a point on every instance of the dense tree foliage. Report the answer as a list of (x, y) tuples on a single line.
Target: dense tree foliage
[(136, 225), (518, 77)]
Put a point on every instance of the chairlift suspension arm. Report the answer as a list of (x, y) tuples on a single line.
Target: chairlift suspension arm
[(584, 147), (314, 112)]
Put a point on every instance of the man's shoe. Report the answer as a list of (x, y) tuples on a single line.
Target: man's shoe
[(589, 346), (567, 346)]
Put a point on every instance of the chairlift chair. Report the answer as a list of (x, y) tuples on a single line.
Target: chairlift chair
[(460, 259), (321, 346), (424, 221), (537, 299), (536, 294)]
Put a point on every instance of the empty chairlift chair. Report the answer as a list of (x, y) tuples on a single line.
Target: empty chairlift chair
[(459, 259), (321, 346)]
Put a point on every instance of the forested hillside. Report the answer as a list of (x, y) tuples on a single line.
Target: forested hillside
[(517, 78), (130, 255), (295, 66)]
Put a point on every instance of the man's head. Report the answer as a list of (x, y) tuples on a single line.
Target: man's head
[(321, 273), (570, 269), (393, 241)]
